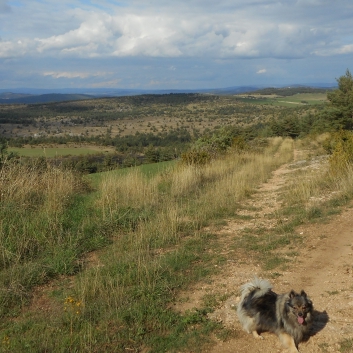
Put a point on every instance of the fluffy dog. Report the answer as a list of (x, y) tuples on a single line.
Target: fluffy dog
[(287, 315)]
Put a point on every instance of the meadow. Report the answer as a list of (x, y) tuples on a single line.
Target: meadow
[(149, 232), (93, 265), (299, 99), (59, 150)]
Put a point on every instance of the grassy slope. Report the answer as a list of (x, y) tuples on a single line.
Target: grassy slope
[(120, 301), (119, 298), (58, 151)]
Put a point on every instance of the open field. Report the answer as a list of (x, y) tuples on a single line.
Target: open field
[(59, 150), (306, 98), (148, 170), (300, 99)]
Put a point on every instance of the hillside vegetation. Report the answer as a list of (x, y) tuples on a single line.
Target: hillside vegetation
[(95, 263), (157, 246), (132, 130)]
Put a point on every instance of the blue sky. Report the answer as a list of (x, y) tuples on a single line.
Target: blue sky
[(164, 44)]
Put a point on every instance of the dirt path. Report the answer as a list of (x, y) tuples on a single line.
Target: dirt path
[(323, 268)]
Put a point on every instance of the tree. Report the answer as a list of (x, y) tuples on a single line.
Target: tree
[(152, 154), (3, 152), (341, 100)]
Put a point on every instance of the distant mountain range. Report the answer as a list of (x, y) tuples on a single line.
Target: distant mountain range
[(34, 96), (12, 98)]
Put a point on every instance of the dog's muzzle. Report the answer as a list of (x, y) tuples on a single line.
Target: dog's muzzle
[(301, 318)]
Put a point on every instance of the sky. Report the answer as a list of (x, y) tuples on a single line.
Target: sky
[(173, 44)]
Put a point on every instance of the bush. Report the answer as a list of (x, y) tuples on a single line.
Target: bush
[(196, 157), (340, 147), (210, 147)]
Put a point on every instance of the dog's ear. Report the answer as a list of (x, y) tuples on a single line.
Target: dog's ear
[(292, 294), (303, 294)]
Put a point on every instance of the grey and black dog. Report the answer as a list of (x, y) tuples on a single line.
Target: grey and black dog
[(290, 315)]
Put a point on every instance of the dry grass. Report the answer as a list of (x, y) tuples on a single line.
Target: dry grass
[(158, 246), (188, 196), (343, 183), (316, 184), (47, 189), (130, 190)]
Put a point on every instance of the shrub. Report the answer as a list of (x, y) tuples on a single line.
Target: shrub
[(196, 157), (340, 146)]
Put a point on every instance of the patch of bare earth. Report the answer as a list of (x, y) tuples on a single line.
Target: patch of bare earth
[(323, 268)]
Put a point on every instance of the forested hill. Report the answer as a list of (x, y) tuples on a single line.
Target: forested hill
[(44, 98)]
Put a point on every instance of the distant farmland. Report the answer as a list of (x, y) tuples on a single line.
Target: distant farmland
[(58, 151), (300, 99)]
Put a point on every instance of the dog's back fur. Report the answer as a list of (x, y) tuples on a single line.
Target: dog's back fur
[(287, 315)]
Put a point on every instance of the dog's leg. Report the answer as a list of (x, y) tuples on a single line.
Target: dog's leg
[(256, 335), (288, 342)]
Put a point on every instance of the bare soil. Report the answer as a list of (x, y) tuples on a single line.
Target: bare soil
[(323, 267)]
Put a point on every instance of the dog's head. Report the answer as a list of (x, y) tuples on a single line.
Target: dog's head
[(300, 306)]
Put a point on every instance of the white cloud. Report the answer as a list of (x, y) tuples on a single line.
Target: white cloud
[(13, 49), (346, 49), (145, 35), (67, 74), (157, 36), (332, 50), (252, 29), (93, 30), (105, 84), (164, 35)]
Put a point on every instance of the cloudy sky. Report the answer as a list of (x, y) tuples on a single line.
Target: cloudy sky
[(180, 44)]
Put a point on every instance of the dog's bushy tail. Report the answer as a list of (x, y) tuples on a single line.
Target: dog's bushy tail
[(257, 285)]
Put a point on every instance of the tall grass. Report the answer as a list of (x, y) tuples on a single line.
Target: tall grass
[(315, 190), (122, 300), (343, 183), (47, 189), (241, 176), (32, 203), (39, 237), (131, 190)]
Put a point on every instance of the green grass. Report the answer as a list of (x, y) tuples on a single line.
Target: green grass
[(42, 249), (148, 169), (264, 245), (346, 345), (133, 287), (324, 347), (140, 315), (302, 99), (55, 151)]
